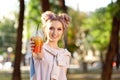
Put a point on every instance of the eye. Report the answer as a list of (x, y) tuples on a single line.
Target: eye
[(51, 28), (59, 29)]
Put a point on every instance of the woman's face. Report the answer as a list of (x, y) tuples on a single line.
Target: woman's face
[(54, 30)]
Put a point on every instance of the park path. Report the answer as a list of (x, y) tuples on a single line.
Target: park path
[(90, 76), (72, 76)]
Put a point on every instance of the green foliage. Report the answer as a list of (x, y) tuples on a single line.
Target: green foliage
[(33, 17), (55, 7), (114, 8), (99, 27), (74, 28), (33, 11), (7, 34)]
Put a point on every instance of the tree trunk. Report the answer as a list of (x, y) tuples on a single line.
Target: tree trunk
[(45, 5), (112, 50), (62, 5), (16, 71)]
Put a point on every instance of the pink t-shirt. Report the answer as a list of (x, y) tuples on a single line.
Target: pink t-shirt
[(53, 64)]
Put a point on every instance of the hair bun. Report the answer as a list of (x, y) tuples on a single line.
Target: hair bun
[(65, 19), (48, 15)]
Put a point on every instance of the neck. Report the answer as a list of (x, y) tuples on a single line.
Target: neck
[(52, 44)]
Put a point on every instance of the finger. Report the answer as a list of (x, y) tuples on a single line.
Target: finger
[(32, 42)]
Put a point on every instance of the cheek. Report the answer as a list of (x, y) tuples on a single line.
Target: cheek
[(61, 33), (48, 33)]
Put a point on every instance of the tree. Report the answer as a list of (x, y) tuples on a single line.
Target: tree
[(99, 27), (62, 5), (16, 72), (45, 5), (113, 48), (7, 34)]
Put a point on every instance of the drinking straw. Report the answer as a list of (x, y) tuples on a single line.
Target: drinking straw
[(37, 29)]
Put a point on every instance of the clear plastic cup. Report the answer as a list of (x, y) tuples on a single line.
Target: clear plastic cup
[(37, 38), (38, 44)]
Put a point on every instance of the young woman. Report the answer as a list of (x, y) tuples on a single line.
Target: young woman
[(53, 61)]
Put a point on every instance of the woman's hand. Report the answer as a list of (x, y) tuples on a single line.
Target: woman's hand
[(32, 45), (36, 55)]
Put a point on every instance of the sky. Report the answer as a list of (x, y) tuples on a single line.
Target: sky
[(7, 6), (87, 5)]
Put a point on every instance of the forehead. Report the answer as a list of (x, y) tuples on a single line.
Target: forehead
[(54, 23)]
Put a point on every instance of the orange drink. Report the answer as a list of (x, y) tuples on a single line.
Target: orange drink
[(38, 44)]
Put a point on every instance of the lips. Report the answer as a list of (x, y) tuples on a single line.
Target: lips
[(54, 36)]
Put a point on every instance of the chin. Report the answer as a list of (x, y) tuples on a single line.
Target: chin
[(53, 40)]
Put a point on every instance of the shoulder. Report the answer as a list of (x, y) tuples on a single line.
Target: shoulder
[(67, 52)]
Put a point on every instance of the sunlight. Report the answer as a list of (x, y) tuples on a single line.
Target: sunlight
[(7, 7), (87, 5)]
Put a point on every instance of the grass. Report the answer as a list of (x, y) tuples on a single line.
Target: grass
[(95, 75), (5, 75)]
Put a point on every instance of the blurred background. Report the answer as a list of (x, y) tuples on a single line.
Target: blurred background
[(92, 37)]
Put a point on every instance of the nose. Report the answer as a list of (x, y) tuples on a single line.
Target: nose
[(54, 31)]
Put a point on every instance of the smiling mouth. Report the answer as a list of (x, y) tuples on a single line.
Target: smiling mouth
[(54, 37)]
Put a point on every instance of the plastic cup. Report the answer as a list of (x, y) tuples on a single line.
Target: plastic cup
[(38, 40), (38, 44)]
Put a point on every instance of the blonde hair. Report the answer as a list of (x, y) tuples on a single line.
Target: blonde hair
[(62, 17)]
